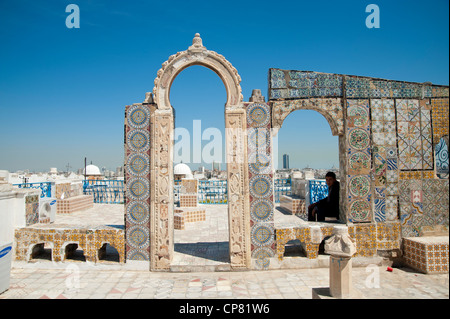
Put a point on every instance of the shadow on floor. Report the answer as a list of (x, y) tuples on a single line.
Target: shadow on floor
[(217, 251)]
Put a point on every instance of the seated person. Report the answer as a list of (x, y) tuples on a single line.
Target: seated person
[(329, 206)]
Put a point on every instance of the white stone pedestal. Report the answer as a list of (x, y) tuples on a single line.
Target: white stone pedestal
[(340, 276), (341, 248)]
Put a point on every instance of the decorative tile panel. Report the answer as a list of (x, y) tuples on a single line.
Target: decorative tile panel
[(442, 159), (414, 135), (137, 182), (385, 158), (358, 153), (260, 170), (423, 202), (427, 254)]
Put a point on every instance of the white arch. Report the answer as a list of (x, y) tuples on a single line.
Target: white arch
[(197, 54)]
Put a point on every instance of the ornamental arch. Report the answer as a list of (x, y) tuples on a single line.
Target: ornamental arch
[(149, 126)]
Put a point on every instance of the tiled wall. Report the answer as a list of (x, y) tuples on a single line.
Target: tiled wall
[(260, 183), (137, 182), (396, 143), (385, 159), (427, 254)]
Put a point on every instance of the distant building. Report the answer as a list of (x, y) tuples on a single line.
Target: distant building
[(92, 172), (181, 170), (285, 161), (120, 171)]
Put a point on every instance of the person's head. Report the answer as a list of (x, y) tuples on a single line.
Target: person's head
[(330, 178)]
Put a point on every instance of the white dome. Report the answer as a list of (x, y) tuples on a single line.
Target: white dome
[(182, 169), (92, 170)]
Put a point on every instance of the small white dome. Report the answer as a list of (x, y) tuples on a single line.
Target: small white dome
[(182, 169), (92, 170)]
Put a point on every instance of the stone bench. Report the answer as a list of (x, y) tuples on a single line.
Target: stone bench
[(427, 254), (294, 205), (309, 235), (73, 204), (65, 239), (188, 215), (369, 238)]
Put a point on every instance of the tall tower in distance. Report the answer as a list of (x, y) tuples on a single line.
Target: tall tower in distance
[(285, 161)]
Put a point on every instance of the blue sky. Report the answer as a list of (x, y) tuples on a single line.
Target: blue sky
[(63, 91)]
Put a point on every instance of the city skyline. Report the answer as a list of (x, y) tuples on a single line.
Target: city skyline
[(64, 100)]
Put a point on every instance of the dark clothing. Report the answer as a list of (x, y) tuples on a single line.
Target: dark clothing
[(329, 206)]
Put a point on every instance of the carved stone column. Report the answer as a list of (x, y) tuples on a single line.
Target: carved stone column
[(161, 194), (238, 205)]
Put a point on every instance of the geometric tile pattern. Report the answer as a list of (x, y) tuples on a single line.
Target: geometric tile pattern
[(137, 177), (427, 254), (330, 108), (440, 117), (414, 135), (260, 184), (359, 191), (303, 234), (385, 159)]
